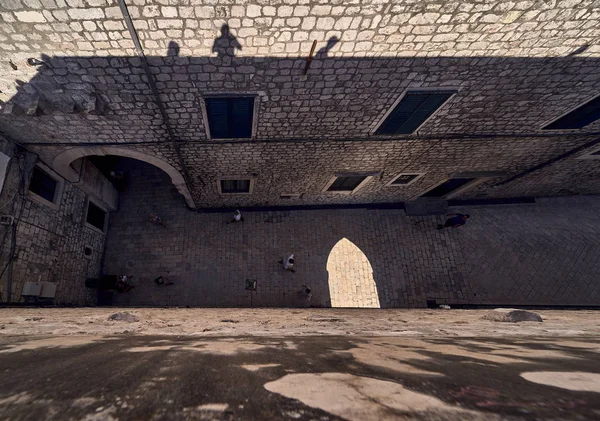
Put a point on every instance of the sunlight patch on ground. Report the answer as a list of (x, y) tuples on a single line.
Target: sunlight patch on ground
[(55, 342), (256, 367), (217, 347), (570, 380), (351, 282), (360, 398)]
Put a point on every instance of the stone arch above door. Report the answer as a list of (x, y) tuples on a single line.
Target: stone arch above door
[(61, 164)]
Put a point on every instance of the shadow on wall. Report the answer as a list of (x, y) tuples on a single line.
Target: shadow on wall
[(80, 101), (74, 97)]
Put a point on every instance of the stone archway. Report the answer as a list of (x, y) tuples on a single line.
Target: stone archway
[(61, 164)]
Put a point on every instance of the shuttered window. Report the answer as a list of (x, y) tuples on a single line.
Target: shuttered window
[(235, 186), (404, 179), (43, 185), (578, 118), (230, 118), (346, 183), (412, 110), (95, 216)]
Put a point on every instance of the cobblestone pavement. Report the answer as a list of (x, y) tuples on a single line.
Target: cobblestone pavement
[(544, 253)]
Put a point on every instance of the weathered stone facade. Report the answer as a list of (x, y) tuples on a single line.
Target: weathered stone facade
[(517, 65), (71, 77), (49, 241)]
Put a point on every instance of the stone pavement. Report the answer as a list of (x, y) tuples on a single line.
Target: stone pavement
[(546, 253), (325, 378)]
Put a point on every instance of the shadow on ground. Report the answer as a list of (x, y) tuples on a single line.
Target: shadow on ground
[(299, 378)]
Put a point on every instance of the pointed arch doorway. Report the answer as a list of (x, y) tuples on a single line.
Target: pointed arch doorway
[(351, 281)]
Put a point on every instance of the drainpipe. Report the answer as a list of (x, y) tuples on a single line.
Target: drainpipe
[(152, 82)]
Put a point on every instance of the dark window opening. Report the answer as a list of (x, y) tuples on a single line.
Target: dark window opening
[(578, 118), (235, 186), (230, 118), (95, 216), (404, 179), (43, 184), (347, 183), (251, 284), (412, 111), (448, 187)]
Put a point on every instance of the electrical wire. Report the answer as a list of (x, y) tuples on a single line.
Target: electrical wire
[(16, 156), (15, 226)]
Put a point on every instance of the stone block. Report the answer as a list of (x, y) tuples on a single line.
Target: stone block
[(169, 12), (30, 16), (424, 18), (169, 23), (86, 14), (150, 11), (12, 108), (93, 104), (253, 11), (285, 11)]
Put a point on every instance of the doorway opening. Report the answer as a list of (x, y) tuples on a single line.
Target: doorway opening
[(62, 164), (448, 187)]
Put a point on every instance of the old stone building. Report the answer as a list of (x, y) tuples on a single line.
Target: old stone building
[(249, 103)]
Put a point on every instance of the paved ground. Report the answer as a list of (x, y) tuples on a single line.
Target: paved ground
[(277, 322), (308, 378), (546, 253)]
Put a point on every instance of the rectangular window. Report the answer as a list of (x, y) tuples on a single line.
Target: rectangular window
[(405, 179), (230, 118), (43, 185), (235, 186), (347, 183), (411, 112), (448, 187), (578, 118), (96, 217)]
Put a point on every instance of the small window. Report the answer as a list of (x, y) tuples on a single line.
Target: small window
[(448, 187), (348, 183), (230, 118), (96, 217), (412, 111), (405, 179), (578, 118), (43, 185), (235, 186)]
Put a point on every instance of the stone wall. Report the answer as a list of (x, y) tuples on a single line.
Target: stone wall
[(49, 241), (286, 27), (516, 65), (305, 168)]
